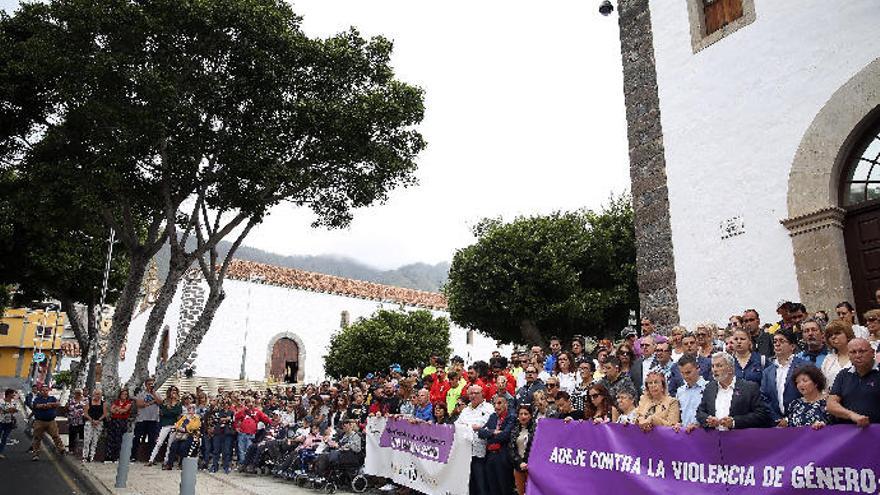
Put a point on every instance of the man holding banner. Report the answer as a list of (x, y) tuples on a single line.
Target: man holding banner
[(855, 395), (475, 416), (729, 403)]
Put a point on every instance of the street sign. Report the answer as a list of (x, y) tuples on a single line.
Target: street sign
[(39, 357)]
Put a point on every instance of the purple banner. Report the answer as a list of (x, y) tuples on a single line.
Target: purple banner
[(423, 440), (580, 457)]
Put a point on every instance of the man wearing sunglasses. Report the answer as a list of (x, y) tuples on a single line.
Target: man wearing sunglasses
[(533, 384)]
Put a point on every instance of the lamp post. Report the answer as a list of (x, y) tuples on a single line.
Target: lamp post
[(247, 317)]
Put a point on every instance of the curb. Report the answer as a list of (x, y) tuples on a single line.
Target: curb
[(91, 482)]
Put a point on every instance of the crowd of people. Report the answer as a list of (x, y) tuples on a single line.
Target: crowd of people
[(802, 371)]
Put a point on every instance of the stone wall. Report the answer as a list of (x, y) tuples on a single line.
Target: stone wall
[(655, 261)]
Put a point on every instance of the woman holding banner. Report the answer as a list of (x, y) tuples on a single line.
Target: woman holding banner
[(521, 437), (657, 408), (496, 432)]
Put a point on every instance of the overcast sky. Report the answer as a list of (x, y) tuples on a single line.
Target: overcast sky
[(524, 115)]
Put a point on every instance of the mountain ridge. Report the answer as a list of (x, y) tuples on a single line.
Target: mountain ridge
[(420, 275)]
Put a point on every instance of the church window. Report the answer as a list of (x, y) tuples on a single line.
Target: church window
[(719, 13), (712, 20), (862, 182), (470, 337)]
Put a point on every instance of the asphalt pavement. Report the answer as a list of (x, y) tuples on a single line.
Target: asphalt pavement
[(19, 475)]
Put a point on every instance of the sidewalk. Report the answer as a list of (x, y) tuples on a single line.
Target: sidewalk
[(143, 480)]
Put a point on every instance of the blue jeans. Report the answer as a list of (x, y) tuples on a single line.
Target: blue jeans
[(244, 442), (221, 443), (5, 430)]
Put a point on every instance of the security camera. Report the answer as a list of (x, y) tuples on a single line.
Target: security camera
[(606, 8)]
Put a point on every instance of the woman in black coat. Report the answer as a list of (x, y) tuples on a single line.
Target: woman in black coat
[(521, 437)]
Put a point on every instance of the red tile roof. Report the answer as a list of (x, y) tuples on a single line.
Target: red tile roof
[(331, 284)]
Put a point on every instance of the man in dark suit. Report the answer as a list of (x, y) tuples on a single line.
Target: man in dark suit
[(729, 403), (777, 375)]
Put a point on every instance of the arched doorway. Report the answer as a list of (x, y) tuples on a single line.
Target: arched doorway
[(820, 217), (860, 197), (285, 361)]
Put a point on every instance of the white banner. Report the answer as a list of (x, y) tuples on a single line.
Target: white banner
[(433, 459)]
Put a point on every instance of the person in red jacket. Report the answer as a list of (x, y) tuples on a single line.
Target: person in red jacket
[(478, 374), (440, 386), (246, 421), (499, 367)]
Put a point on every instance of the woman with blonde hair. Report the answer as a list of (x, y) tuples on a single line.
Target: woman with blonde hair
[(656, 407)]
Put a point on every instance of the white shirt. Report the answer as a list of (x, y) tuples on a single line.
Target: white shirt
[(723, 400), (781, 375), (831, 366), (567, 381), (471, 416), (860, 332), (676, 355)]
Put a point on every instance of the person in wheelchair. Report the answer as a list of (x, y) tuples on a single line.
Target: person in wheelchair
[(304, 456), (285, 455), (345, 452), (186, 440), (258, 450)]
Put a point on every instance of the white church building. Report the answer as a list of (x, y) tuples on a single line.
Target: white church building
[(277, 322), (754, 154)]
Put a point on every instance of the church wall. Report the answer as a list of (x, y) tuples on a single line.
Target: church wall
[(733, 115), (262, 312)]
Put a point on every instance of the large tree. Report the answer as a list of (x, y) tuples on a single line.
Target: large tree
[(176, 119), (560, 274), (51, 251), (385, 338)]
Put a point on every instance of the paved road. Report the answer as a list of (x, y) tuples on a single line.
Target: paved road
[(20, 475)]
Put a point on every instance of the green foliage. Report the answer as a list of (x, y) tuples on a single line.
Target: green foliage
[(52, 251), (142, 104), (63, 379), (387, 337), (566, 273)]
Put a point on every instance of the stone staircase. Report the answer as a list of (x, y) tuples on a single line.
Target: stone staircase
[(211, 384)]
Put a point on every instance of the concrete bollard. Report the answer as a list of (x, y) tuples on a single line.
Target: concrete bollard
[(124, 459), (188, 476)]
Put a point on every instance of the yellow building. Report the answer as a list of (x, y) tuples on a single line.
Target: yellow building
[(24, 332)]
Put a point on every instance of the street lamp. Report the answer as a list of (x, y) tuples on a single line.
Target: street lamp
[(606, 7), (247, 318)]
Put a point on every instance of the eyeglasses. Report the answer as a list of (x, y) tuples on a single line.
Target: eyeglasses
[(624, 353), (530, 372), (552, 385), (749, 320), (662, 350), (872, 319), (593, 396)]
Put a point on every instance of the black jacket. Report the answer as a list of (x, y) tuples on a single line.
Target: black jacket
[(515, 458), (746, 407)]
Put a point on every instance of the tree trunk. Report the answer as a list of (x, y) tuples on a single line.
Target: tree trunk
[(195, 336), (81, 333), (123, 314), (530, 333), (154, 325), (91, 352)]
